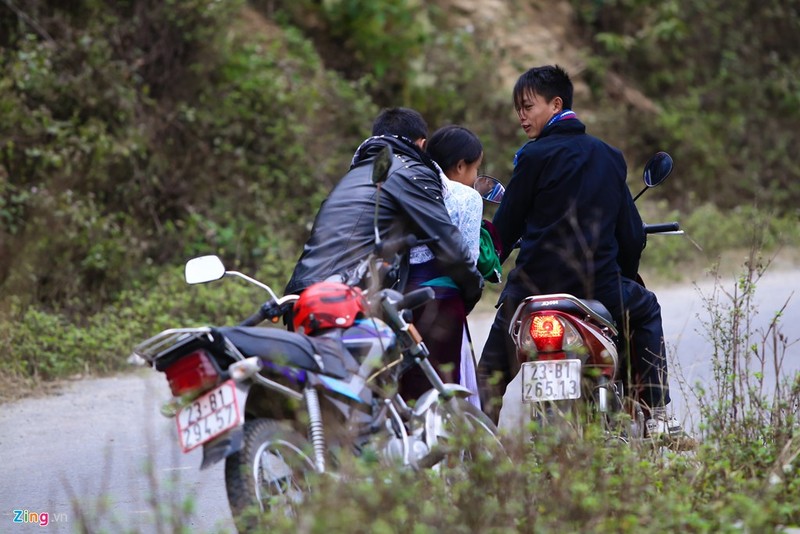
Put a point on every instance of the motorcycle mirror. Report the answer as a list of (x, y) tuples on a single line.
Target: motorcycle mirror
[(657, 169), (204, 269), (381, 165), (489, 188), (380, 172)]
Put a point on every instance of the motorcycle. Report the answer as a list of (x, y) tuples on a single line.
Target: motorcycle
[(570, 363), (283, 406)]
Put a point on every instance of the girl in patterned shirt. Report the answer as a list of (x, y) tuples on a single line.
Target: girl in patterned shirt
[(443, 321)]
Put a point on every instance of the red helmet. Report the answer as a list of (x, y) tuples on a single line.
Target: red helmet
[(328, 305)]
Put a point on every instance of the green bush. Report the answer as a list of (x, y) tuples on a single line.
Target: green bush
[(44, 344), (183, 140), (403, 53), (554, 486), (705, 63), (710, 233)]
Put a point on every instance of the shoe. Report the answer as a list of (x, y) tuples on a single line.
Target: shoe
[(666, 428)]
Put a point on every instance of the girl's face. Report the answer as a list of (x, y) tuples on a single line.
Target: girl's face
[(535, 112), (463, 172)]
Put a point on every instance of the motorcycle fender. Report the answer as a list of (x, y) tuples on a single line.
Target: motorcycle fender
[(222, 447), (431, 397), (602, 346), (354, 389), (231, 441)]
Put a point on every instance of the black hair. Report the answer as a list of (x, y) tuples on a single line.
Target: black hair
[(405, 122), (450, 144), (549, 82)]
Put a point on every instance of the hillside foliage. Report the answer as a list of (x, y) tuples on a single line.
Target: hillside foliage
[(726, 78)]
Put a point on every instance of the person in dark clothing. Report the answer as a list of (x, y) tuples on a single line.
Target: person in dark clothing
[(411, 202), (579, 232)]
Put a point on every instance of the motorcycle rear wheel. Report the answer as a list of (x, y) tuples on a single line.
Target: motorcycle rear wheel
[(270, 474)]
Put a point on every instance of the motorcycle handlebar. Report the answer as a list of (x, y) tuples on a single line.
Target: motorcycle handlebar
[(660, 228), (268, 310), (255, 319), (416, 298)]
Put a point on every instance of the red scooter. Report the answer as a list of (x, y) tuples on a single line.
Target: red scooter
[(568, 356)]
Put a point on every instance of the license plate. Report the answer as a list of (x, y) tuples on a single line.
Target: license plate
[(551, 380), (208, 416)]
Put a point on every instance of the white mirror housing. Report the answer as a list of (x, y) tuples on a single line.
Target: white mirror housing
[(204, 269)]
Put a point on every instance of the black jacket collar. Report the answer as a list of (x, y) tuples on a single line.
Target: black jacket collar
[(565, 126), (400, 146)]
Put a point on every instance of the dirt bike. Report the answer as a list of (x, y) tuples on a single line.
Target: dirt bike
[(280, 406), (570, 363)]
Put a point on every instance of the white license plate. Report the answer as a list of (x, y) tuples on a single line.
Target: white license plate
[(208, 416), (551, 380)]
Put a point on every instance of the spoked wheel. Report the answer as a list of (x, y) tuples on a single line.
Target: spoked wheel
[(270, 474), (459, 432)]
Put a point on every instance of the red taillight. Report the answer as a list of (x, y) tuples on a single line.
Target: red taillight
[(193, 372), (547, 333)]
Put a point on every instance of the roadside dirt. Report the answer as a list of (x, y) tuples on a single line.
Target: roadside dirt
[(530, 34)]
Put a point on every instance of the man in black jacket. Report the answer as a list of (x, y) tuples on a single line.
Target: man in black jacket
[(411, 202), (580, 234)]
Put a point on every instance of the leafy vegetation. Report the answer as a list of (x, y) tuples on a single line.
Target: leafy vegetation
[(125, 152), (725, 77)]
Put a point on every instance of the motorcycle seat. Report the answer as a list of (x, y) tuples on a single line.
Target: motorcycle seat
[(316, 354), (570, 307)]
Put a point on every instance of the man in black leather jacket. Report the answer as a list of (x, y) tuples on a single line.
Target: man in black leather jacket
[(411, 202)]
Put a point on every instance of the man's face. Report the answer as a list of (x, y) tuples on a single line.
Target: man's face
[(535, 112)]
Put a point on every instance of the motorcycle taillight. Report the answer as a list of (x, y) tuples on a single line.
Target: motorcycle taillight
[(194, 372), (547, 332)]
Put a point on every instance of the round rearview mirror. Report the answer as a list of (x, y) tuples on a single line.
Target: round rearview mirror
[(490, 188), (657, 169), (204, 269)]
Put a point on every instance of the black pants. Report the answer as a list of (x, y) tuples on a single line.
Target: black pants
[(441, 324), (638, 317)]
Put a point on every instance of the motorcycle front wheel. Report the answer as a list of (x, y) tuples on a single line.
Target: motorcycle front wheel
[(459, 432), (270, 474)]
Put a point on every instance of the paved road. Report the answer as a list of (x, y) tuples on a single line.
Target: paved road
[(98, 438), (690, 352), (104, 443)]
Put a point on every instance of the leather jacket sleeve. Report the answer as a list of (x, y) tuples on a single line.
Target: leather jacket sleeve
[(419, 193)]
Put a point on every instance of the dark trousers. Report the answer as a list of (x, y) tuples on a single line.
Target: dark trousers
[(441, 324), (638, 317)]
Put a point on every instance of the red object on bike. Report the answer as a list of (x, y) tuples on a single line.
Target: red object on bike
[(194, 372), (328, 305), (547, 332)]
